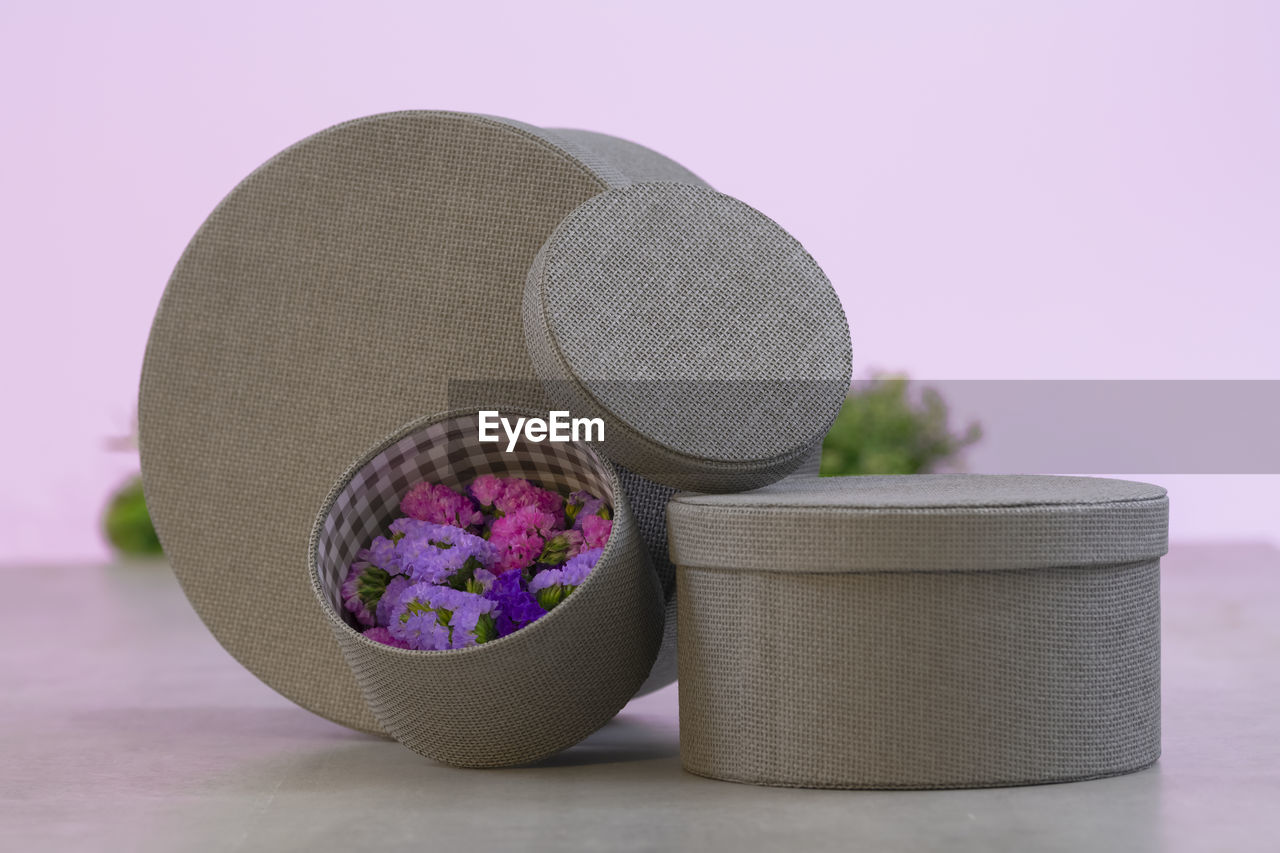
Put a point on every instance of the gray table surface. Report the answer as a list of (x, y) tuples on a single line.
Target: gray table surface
[(124, 726)]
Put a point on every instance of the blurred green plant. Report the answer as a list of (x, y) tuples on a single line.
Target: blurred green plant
[(125, 521), (127, 524), (883, 428)]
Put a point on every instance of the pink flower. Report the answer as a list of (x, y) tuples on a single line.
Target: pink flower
[(549, 502), (519, 494), (439, 504), (519, 537), (516, 552), (527, 520), (486, 489), (505, 495), (382, 635), (564, 545), (596, 530), (516, 494)]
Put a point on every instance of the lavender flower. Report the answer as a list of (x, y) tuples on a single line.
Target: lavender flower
[(395, 588), (545, 579), (547, 589), (575, 571), (363, 589), (552, 586), (430, 617), (382, 553), (421, 630), (481, 581), (582, 504), (438, 553)]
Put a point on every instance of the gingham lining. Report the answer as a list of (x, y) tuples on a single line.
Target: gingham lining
[(445, 451)]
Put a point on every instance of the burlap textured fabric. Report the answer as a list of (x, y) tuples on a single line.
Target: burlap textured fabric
[(920, 632), (703, 335), (332, 296), (522, 697)]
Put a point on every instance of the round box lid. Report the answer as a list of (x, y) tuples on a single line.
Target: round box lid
[(922, 522), (340, 291), (705, 337)]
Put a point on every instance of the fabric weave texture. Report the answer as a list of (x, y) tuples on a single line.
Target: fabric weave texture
[(706, 338), (1021, 646)]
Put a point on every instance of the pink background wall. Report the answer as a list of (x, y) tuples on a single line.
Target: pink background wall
[(998, 190)]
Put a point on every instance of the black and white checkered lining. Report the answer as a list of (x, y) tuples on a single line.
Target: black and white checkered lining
[(447, 452)]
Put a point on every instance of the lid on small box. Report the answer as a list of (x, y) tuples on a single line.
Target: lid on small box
[(922, 522), (704, 337)]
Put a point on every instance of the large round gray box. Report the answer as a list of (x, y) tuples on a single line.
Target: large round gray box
[(929, 631), (365, 276)]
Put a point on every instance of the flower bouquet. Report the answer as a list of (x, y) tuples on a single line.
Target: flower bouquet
[(462, 569)]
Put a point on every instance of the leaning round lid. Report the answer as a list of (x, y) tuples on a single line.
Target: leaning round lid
[(353, 282), (703, 336), (922, 522)]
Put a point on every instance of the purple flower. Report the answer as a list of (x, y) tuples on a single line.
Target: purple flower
[(545, 579), (439, 504), (552, 586), (421, 630), (382, 553), (575, 571), (395, 588), (483, 579), (516, 607), (363, 589), (582, 504), (430, 617), (464, 626), (547, 589), (382, 635), (439, 553)]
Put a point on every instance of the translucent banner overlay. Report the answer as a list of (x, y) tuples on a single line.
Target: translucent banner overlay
[(1209, 426), (1086, 426)]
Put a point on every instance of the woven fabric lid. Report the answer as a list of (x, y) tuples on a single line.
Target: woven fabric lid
[(346, 287), (705, 337), (924, 522)]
